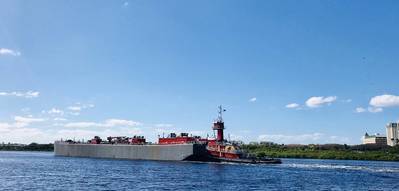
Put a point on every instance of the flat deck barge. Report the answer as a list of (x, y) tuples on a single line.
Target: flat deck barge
[(173, 152)]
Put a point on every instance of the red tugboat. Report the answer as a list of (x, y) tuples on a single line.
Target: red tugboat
[(221, 150)]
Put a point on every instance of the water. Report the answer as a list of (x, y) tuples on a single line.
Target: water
[(43, 171)]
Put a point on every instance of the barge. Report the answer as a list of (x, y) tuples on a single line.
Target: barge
[(183, 147)]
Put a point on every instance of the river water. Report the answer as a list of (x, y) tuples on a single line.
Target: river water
[(44, 171)]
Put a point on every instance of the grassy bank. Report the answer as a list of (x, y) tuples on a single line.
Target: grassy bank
[(330, 151), (30, 147)]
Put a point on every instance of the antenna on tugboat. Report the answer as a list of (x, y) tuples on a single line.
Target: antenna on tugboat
[(220, 113)]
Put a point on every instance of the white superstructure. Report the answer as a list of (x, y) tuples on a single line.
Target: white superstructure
[(376, 139)]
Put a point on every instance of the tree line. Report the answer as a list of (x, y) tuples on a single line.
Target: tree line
[(29, 147), (326, 151)]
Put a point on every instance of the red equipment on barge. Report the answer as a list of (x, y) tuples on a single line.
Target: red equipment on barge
[(174, 139)]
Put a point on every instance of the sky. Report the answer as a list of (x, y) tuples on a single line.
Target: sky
[(292, 72)]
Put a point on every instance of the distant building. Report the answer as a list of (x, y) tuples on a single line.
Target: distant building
[(237, 142), (253, 143), (374, 139), (268, 143), (392, 134)]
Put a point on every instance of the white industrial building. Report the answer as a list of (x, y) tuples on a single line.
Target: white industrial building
[(392, 134), (376, 139)]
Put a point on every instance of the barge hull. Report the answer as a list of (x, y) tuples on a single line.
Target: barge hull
[(178, 152)]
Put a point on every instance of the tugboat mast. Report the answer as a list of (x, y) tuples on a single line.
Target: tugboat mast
[(218, 125), (220, 114)]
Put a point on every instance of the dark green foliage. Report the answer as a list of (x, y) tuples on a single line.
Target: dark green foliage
[(327, 151), (30, 147)]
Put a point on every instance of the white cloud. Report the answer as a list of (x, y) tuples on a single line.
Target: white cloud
[(252, 99), (121, 122), (74, 113), (20, 130), (234, 137), (315, 102), (25, 136), (29, 94), (385, 101), (360, 110), (20, 119), (292, 105), (5, 51), (311, 138), (19, 122), (369, 109), (4, 127), (374, 109), (75, 108), (107, 123), (59, 119), (79, 107), (347, 100), (83, 124), (25, 109), (56, 111), (164, 125)]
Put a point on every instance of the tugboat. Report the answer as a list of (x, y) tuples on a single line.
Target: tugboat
[(221, 150)]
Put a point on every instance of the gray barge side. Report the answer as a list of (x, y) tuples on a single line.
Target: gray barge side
[(178, 152)]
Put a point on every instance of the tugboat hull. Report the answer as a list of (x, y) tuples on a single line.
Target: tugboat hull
[(248, 161)]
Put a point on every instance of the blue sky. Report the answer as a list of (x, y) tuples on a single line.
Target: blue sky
[(321, 71)]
